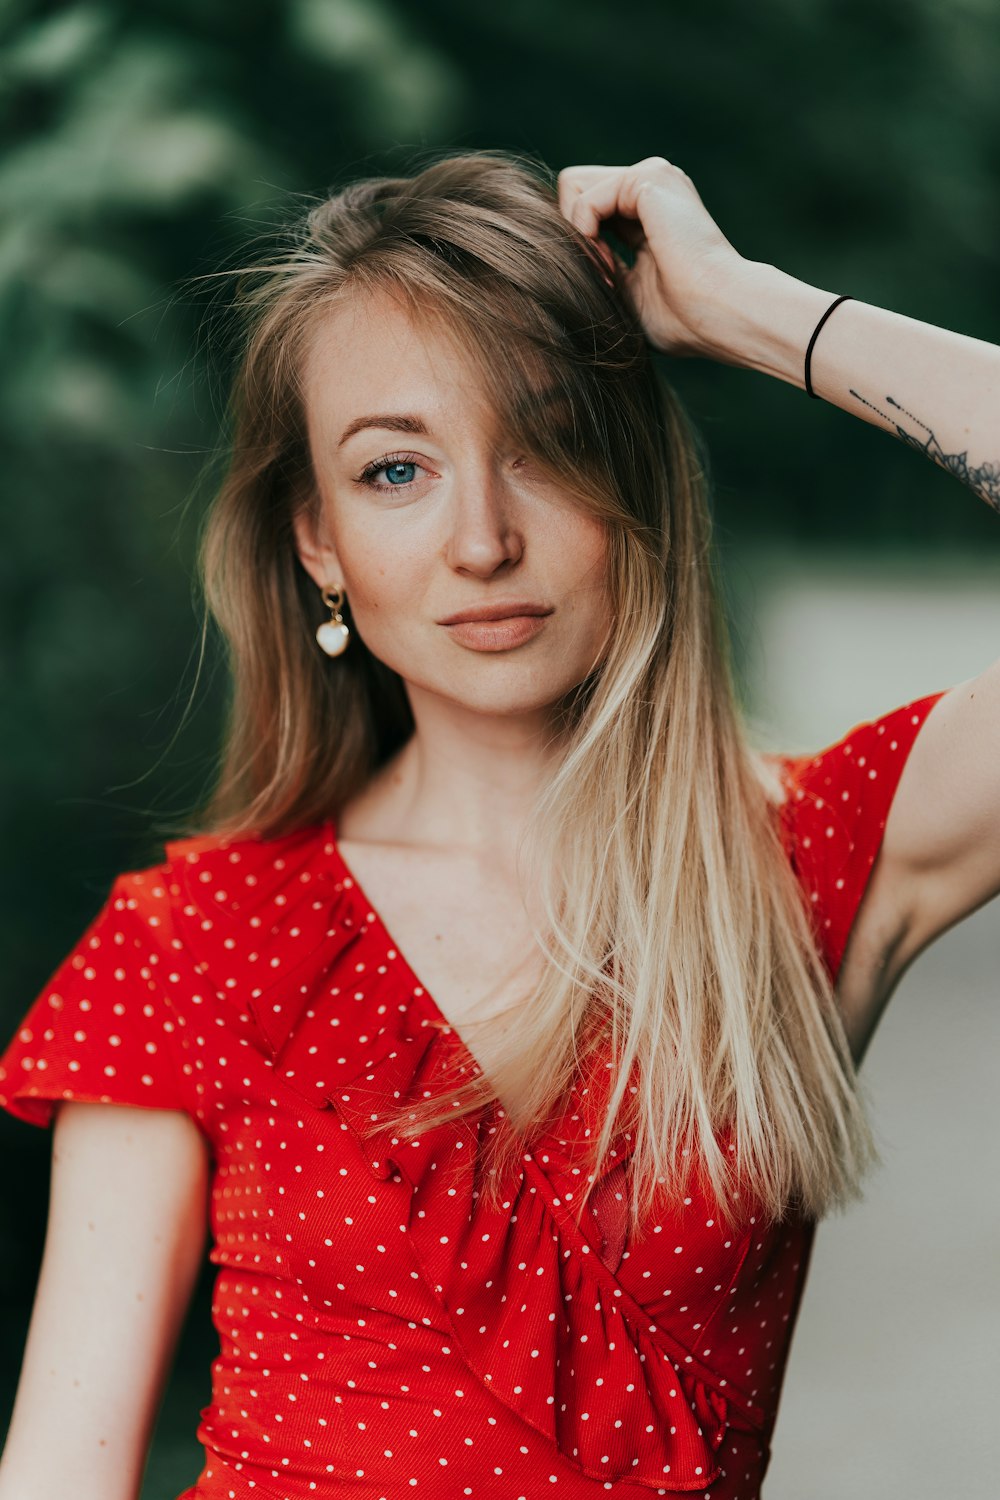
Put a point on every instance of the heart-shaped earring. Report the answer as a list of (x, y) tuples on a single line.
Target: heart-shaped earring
[(333, 635)]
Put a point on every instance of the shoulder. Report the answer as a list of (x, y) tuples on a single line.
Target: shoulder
[(837, 801), (247, 911), (251, 851), (214, 898), (230, 873), (855, 776), (220, 932)]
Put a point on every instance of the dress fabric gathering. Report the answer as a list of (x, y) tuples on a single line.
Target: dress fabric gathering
[(381, 1331)]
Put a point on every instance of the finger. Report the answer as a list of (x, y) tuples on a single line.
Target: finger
[(606, 255), (616, 193), (572, 181), (602, 200), (611, 260)]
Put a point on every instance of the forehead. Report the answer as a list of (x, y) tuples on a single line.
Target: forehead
[(370, 352)]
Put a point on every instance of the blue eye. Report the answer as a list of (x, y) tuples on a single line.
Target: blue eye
[(398, 469)]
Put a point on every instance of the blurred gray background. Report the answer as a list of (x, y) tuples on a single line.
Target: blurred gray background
[(857, 146), (894, 1373)]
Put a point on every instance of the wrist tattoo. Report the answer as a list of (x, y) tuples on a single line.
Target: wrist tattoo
[(983, 479)]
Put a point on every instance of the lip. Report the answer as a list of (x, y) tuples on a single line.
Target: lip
[(498, 634), (501, 609)]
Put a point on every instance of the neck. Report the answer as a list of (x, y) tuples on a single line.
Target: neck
[(464, 780)]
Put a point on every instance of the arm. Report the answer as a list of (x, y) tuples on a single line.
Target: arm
[(940, 392), (695, 295), (939, 858), (936, 390), (125, 1236)]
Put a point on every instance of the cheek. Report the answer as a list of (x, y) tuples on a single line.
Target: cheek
[(379, 580), (583, 559)]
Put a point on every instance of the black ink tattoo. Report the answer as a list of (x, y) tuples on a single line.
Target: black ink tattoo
[(984, 480)]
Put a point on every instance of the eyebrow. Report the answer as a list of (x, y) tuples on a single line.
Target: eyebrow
[(388, 421), (405, 422)]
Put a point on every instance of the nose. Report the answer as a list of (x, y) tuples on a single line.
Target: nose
[(486, 524)]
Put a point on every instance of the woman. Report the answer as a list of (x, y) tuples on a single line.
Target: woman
[(506, 999)]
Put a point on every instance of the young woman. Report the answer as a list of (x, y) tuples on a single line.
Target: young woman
[(502, 1010)]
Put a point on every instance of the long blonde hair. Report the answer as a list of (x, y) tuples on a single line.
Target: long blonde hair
[(676, 935)]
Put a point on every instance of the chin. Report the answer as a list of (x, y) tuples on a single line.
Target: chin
[(495, 684), (514, 694)]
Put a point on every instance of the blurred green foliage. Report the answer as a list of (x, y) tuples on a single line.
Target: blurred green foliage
[(855, 143)]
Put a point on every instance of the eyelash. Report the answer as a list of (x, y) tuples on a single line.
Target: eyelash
[(367, 475), (385, 462)]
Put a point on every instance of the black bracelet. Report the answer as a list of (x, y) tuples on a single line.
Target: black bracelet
[(846, 298)]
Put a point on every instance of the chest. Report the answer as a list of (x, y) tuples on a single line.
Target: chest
[(463, 930)]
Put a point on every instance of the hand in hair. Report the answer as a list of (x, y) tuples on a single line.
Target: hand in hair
[(683, 261)]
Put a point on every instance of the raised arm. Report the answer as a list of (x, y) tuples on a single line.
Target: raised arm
[(696, 295), (938, 391), (126, 1233)]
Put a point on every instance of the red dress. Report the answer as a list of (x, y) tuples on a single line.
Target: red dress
[(380, 1332)]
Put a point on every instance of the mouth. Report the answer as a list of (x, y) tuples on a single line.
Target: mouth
[(500, 633), (502, 609)]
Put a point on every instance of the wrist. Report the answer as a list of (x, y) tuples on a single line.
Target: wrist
[(760, 318)]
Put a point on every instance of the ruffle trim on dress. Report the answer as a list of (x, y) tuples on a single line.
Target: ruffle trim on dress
[(524, 1291)]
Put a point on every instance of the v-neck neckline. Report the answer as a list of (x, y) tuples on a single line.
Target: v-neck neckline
[(431, 1008), (433, 1013)]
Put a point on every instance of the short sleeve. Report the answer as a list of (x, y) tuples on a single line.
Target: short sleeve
[(104, 1029), (838, 804)]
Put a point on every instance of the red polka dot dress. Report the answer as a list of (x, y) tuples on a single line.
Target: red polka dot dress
[(381, 1332)]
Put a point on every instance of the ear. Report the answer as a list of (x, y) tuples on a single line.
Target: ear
[(317, 553)]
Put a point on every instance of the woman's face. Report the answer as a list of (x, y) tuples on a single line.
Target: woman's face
[(428, 510)]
